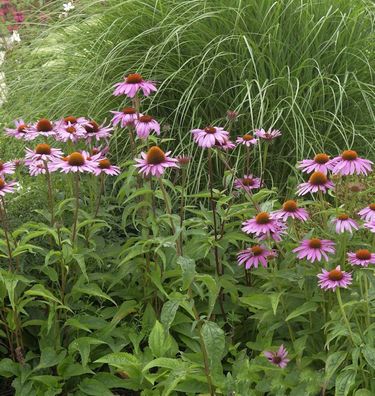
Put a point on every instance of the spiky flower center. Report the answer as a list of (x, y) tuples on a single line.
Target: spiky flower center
[(71, 129), (134, 78), (248, 181), (318, 179), (145, 118), (155, 156), (93, 127), (210, 130), (104, 164), (290, 206), (22, 128), (44, 125), (247, 137), (343, 217), (315, 243), (129, 110), (349, 155), (335, 275), (262, 218), (76, 159), (257, 250), (2, 184), (43, 149), (363, 254), (71, 119), (372, 206), (277, 359), (321, 158)]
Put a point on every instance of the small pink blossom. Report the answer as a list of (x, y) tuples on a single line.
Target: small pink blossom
[(155, 162), (132, 84), (314, 249), (348, 163), (362, 257), (210, 136), (344, 223), (320, 163), (253, 256), (278, 358), (144, 125), (334, 278)]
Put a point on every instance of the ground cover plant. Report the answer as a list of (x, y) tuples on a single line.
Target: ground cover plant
[(130, 284), (303, 67)]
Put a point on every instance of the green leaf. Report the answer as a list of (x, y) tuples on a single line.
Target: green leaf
[(164, 363), (333, 362), (49, 358), (168, 313), (9, 368), (157, 339), (214, 339), (94, 290), (92, 387), (124, 361), (77, 324), (344, 382), (83, 346), (188, 271), (369, 354), (126, 308), (213, 290), (40, 291), (304, 308), (363, 392), (275, 298)]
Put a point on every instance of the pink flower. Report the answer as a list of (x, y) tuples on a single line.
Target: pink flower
[(71, 120), (132, 84), (344, 223), (6, 187), (210, 136), (21, 131), (320, 163), (99, 152), (348, 163), (318, 182), (97, 132), (70, 132), (276, 235), (105, 166), (126, 117), (226, 145), (6, 168), (314, 249), (247, 183), (75, 162), (368, 213), (18, 16), (261, 224), (253, 256), (145, 125), (290, 209), (42, 152), (269, 135), (155, 162), (333, 279), (362, 257), (247, 140), (370, 226), (278, 358), (43, 127), (40, 168)]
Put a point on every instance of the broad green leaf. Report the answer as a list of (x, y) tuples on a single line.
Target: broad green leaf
[(49, 358), (188, 271), (369, 354), (333, 362), (168, 313), (304, 308), (214, 340), (213, 290), (344, 382), (40, 291), (164, 363), (275, 298), (77, 324), (124, 361), (157, 339), (92, 289), (92, 387)]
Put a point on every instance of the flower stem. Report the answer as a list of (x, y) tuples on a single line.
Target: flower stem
[(4, 220), (101, 191), (50, 194), (182, 205), (338, 294), (75, 219)]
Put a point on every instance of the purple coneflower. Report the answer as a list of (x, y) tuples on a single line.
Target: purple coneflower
[(97, 132), (7, 168), (71, 120), (144, 125), (210, 136), (320, 163), (75, 162), (248, 183), (276, 235), (318, 182), (290, 209), (126, 117), (39, 168), (348, 163), (105, 166), (314, 249), (155, 162), (21, 131), (71, 132), (278, 358), (183, 160), (370, 226), (368, 213), (344, 223), (43, 127), (42, 152), (333, 279), (247, 140), (132, 84), (261, 224), (226, 145), (269, 135), (253, 256), (6, 187), (362, 257)]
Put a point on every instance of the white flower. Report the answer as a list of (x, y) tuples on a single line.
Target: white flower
[(68, 6), (15, 37)]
